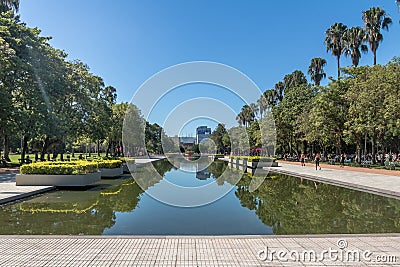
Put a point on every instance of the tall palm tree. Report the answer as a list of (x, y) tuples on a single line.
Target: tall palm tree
[(241, 118), (272, 96), (374, 19), (334, 41), (316, 70), (254, 109), (353, 40), (277, 93), (262, 105), (6, 5)]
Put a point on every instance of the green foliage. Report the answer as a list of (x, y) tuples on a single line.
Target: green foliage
[(60, 168), (254, 158), (109, 164)]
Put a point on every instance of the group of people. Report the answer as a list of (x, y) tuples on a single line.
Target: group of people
[(317, 159), (386, 158)]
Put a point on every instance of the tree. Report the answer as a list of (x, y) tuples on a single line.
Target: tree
[(246, 116), (6, 5), (262, 105), (334, 41), (353, 40), (217, 136), (316, 70), (374, 19), (324, 122)]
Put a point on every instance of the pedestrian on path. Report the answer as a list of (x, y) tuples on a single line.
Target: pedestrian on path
[(302, 159), (317, 160), (342, 157)]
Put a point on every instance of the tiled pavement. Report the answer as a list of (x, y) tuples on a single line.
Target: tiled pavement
[(199, 251), (10, 192), (369, 182)]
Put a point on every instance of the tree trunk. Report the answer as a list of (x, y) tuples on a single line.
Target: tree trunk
[(358, 152), (374, 58), (108, 148), (373, 149), (338, 67), (7, 148), (122, 149), (24, 148), (44, 148), (98, 148)]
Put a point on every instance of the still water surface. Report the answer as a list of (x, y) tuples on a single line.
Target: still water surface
[(281, 205)]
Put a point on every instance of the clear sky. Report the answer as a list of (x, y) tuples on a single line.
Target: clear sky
[(126, 42)]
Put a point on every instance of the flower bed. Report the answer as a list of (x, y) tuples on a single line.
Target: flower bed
[(110, 168), (59, 173), (59, 168), (255, 158)]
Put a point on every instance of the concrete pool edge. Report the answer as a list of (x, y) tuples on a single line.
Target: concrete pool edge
[(196, 236), (340, 183)]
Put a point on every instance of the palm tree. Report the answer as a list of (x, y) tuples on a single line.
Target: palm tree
[(6, 5), (272, 97), (241, 118), (262, 105), (254, 109), (353, 40), (374, 19), (276, 93), (334, 41), (316, 70)]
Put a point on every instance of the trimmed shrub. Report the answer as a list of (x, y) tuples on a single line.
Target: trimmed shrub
[(59, 168), (109, 164), (127, 160), (255, 158)]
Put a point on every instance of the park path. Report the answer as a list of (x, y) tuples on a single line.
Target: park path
[(9, 191), (381, 182), (370, 250)]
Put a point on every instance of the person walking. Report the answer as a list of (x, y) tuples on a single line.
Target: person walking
[(302, 159), (317, 160), (342, 161)]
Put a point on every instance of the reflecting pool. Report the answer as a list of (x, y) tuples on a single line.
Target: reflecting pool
[(281, 205)]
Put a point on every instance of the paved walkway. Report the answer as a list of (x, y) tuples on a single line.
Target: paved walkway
[(386, 185), (10, 192), (369, 250)]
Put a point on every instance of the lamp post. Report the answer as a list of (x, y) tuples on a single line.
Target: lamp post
[(398, 4)]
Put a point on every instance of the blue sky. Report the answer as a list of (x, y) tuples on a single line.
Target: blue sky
[(126, 42)]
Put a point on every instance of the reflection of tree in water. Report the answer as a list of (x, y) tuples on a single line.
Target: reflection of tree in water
[(295, 206), (71, 212), (151, 174), (217, 168)]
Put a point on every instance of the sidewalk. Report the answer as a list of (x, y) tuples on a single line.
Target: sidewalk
[(10, 192), (349, 168), (380, 182), (358, 250)]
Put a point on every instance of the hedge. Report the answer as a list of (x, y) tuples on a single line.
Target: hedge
[(60, 168), (109, 164), (127, 160), (255, 158)]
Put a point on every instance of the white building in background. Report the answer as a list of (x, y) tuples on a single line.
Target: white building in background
[(202, 132)]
